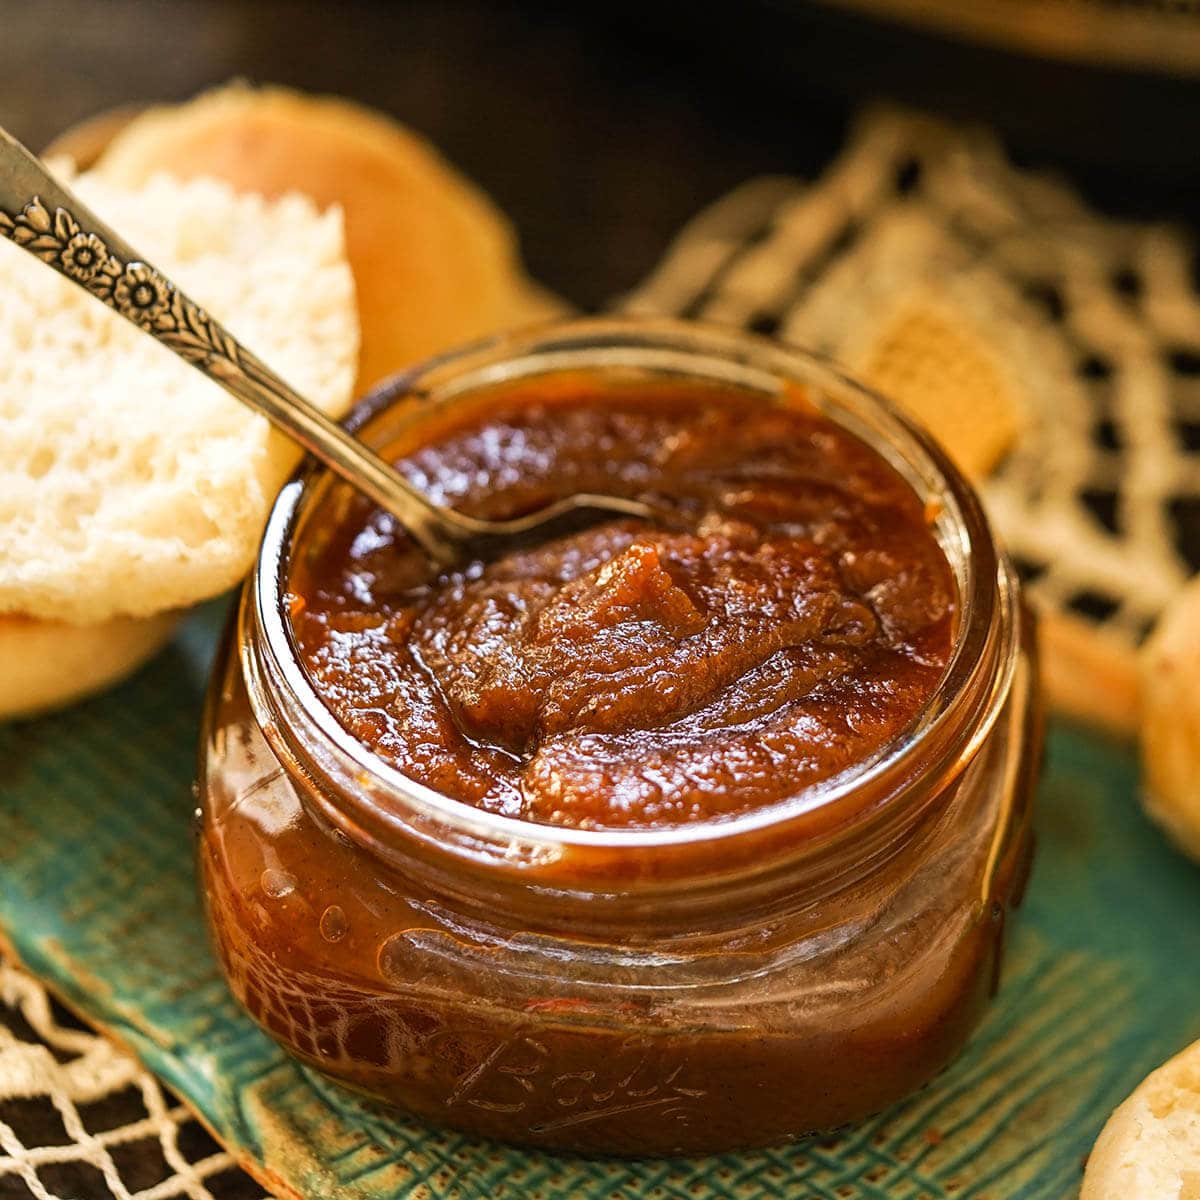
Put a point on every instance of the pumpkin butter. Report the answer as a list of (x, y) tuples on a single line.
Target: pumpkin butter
[(632, 676)]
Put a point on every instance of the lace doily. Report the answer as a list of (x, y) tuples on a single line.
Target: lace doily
[(81, 1118)]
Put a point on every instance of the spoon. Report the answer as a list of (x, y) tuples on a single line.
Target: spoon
[(45, 218)]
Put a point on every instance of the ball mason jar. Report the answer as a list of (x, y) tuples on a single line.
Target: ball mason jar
[(690, 989)]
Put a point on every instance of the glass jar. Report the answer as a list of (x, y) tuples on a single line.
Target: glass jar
[(713, 986)]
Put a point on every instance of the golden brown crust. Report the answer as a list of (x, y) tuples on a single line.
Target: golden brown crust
[(1170, 720), (434, 261), (47, 664), (941, 372), (86, 140), (1088, 674)]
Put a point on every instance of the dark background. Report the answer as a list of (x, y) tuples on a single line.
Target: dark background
[(601, 128)]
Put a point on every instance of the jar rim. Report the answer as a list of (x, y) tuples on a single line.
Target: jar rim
[(983, 578)]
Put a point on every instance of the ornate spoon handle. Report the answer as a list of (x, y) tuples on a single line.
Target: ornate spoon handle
[(41, 216)]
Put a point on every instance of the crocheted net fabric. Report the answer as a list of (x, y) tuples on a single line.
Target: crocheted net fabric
[(960, 285), (80, 1118)]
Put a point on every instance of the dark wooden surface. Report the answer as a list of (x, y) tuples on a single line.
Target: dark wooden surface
[(599, 130)]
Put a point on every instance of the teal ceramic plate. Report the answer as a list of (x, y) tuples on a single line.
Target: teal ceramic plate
[(98, 897)]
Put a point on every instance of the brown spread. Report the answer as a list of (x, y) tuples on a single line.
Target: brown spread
[(790, 627)]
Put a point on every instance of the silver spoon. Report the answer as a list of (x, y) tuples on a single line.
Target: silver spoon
[(45, 218)]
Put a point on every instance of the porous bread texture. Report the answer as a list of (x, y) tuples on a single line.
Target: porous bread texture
[(1170, 720), (435, 262), (129, 482), (1150, 1147)]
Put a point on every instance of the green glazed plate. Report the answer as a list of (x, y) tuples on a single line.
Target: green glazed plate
[(98, 897)]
